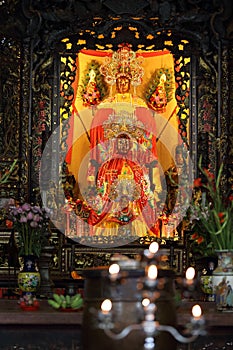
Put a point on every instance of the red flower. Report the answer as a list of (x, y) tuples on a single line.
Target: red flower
[(197, 182), (9, 223), (209, 174), (221, 216), (200, 240), (194, 236)]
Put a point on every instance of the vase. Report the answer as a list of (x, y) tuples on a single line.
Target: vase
[(223, 280), (205, 267), (29, 276)]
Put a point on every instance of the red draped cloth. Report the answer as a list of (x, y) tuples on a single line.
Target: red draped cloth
[(123, 175)]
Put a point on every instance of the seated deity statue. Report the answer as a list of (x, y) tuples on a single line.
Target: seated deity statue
[(158, 99), (91, 95), (123, 162)]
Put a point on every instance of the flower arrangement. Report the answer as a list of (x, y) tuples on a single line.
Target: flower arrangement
[(32, 224), (211, 214)]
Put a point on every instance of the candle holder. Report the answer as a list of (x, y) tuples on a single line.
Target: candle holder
[(149, 288)]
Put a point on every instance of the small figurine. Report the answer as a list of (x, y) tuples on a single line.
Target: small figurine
[(91, 96), (158, 99)]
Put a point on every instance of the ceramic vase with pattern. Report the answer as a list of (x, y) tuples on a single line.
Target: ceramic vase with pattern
[(29, 276), (223, 280)]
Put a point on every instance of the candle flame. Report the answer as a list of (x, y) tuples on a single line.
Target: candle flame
[(145, 302), (190, 273), (152, 272), (154, 247), (106, 306), (196, 311), (113, 269)]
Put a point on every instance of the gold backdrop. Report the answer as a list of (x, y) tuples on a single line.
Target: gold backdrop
[(166, 122)]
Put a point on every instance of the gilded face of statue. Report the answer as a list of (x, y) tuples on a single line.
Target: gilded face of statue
[(123, 84), (123, 144), (179, 159), (124, 202)]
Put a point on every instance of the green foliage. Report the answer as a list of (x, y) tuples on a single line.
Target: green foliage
[(5, 177), (211, 213)]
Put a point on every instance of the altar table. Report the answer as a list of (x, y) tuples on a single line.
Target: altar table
[(50, 329)]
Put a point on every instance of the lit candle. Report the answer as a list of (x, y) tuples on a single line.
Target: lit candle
[(114, 270), (152, 250), (145, 302), (152, 272), (190, 273), (106, 306), (149, 308), (196, 312), (105, 315), (151, 276), (154, 247), (197, 321)]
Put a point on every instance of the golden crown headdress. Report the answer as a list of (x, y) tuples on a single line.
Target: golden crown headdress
[(123, 122), (124, 62)]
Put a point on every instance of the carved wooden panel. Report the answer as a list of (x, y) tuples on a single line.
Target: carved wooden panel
[(13, 123)]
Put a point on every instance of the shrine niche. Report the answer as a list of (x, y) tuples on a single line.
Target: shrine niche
[(158, 77)]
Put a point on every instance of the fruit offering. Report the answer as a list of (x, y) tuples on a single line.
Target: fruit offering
[(66, 301)]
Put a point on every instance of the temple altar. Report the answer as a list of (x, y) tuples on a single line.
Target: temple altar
[(116, 169)]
